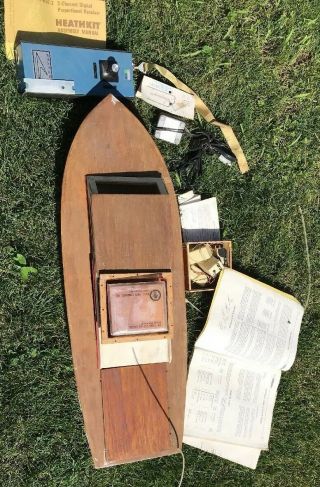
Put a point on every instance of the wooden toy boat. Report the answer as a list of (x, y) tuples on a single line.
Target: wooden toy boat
[(120, 226)]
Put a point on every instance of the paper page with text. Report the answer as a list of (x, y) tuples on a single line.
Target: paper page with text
[(252, 321), (228, 401), (244, 455)]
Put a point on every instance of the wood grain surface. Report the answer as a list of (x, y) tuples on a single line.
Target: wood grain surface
[(136, 405), (112, 140), (139, 227)]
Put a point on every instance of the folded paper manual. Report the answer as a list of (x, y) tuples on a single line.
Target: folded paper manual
[(251, 335), (81, 24)]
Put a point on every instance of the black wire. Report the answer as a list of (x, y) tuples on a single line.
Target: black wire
[(202, 143)]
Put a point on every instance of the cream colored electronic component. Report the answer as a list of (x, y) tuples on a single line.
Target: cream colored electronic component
[(198, 276), (211, 266), (200, 253), (203, 265), (174, 132)]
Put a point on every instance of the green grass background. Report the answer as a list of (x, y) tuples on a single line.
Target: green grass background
[(262, 76)]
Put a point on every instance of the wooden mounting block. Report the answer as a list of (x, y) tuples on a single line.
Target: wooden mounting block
[(136, 412)]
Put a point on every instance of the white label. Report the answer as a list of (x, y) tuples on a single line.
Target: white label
[(225, 160), (49, 86)]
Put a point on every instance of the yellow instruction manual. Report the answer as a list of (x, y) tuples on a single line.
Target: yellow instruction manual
[(63, 22)]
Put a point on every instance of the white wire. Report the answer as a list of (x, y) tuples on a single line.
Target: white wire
[(307, 258), (193, 306), (183, 468)]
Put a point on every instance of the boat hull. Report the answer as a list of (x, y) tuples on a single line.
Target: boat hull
[(136, 412)]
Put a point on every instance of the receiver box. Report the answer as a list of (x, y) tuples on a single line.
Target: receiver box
[(50, 70)]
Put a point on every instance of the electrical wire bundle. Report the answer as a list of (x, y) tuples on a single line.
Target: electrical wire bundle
[(202, 144)]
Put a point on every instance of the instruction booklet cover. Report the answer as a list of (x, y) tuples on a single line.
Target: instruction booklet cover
[(61, 22)]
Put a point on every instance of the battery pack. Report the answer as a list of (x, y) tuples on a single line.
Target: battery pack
[(50, 70)]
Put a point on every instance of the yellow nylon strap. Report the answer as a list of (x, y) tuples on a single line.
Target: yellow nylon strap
[(204, 111)]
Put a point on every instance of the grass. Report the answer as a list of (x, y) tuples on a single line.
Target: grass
[(260, 72)]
